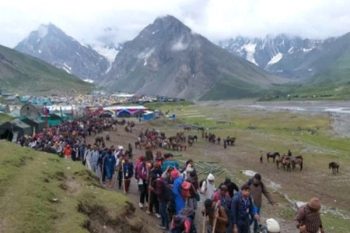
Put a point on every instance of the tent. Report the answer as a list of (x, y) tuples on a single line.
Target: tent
[(148, 116), (123, 113), (38, 124), (14, 127)]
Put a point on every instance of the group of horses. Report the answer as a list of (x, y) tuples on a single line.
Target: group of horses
[(286, 161), (289, 162), (152, 139), (212, 138)]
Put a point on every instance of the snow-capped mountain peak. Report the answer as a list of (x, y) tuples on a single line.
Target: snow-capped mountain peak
[(271, 52)]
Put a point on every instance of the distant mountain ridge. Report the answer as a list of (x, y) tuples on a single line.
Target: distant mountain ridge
[(279, 54), (167, 58), (51, 44), (24, 74)]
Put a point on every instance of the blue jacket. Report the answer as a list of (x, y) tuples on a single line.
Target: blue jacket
[(128, 169), (179, 200), (242, 210)]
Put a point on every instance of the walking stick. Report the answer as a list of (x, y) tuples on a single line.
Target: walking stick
[(123, 177)]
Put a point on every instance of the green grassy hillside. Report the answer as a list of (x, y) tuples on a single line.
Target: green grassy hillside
[(42, 193), (24, 74)]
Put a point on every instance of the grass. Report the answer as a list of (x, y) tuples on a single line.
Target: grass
[(21, 73), (40, 192), (4, 118), (161, 105)]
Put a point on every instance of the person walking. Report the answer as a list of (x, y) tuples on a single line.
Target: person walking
[(308, 217), (242, 211), (217, 216), (128, 172), (141, 176), (257, 190), (109, 168), (208, 187), (67, 151)]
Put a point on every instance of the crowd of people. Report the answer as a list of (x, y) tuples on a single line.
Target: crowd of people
[(170, 192)]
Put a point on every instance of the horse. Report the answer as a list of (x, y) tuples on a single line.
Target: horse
[(334, 166), (193, 138), (298, 160), (272, 155), (190, 142), (230, 141), (286, 163)]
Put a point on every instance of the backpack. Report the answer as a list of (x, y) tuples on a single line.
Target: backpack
[(186, 189)]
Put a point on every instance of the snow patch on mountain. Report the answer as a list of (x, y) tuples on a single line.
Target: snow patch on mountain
[(179, 45), (67, 68), (291, 50), (275, 59), (306, 50), (145, 55), (88, 80), (250, 51), (109, 53)]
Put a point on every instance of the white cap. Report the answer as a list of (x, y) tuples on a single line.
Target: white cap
[(120, 148), (211, 177), (272, 226)]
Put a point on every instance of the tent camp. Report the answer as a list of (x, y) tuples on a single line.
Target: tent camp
[(36, 125), (30, 111), (10, 129)]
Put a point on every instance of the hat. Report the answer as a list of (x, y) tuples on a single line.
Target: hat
[(120, 148), (314, 203), (211, 177), (272, 226)]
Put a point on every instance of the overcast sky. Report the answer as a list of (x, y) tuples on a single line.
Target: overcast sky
[(216, 19)]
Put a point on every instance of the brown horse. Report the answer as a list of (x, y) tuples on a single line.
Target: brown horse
[(298, 160), (230, 141), (272, 155), (334, 166)]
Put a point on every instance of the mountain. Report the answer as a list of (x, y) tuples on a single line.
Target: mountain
[(25, 74), (167, 58), (283, 55), (52, 45), (332, 61)]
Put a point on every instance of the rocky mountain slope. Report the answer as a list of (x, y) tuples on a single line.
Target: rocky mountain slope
[(51, 44), (168, 58)]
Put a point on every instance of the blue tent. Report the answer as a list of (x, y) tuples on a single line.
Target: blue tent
[(123, 113), (148, 116)]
